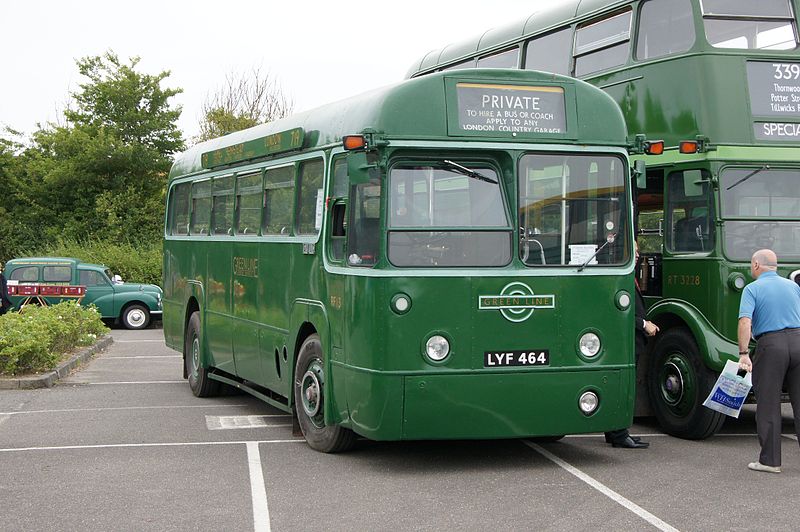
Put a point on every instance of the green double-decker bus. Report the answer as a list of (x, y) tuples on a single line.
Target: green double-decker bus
[(719, 82), (446, 258)]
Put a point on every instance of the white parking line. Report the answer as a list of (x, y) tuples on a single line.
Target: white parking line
[(602, 488), (130, 382), (258, 491), (103, 409), (139, 445), (243, 422)]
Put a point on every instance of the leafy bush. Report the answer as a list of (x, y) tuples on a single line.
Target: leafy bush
[(134, 263), (36, 339)]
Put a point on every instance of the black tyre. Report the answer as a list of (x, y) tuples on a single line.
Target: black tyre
[(679, 382), (309, 401), (199, 381), (136, 317)]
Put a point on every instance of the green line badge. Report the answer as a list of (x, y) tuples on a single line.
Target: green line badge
[(516, 302)]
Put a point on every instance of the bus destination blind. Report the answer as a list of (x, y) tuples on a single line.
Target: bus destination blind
[(775, 93)]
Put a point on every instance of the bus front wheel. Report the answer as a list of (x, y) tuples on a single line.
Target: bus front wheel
[(309, 401), (679, 382), (199, 381)]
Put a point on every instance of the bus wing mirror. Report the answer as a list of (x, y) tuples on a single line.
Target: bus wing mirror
[(640, 173), (359, 170)]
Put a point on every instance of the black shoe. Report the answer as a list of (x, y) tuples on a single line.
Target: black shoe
[(631, 443), (637, 439)]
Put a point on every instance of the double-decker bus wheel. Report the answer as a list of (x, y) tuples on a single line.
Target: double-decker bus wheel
[(199, 381), (679, 382), (309, 401)]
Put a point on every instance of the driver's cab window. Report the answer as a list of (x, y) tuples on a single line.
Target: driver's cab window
[(363, 242), (690, 213), (92, 278), (338, 217)]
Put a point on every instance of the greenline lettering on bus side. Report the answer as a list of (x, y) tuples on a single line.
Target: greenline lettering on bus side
[(280, 142)]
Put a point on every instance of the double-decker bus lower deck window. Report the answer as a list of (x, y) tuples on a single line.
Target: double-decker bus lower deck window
[(572, 210), (690, 212), (761, 209), (749, 25), (447, 216)]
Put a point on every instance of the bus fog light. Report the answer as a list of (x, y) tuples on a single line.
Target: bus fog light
[(589, 344), (623, 300), (437, 348), (401, 303), (736, 281), (588, 402)]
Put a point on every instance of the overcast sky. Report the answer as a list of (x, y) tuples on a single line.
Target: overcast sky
[(319, 50)]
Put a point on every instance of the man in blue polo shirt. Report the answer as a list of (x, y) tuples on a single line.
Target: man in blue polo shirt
[(770, 312)]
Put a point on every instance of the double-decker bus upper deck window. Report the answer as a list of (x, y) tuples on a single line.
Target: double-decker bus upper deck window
[(761, 208), (278, 201), (504, 59), (762, 25), (311, 201), (440, 217), (201, 207), (222, 206), (549, 53), (665, 27), (602, 44), (469, 63), (179, 209), (248, 204), (569, 207)]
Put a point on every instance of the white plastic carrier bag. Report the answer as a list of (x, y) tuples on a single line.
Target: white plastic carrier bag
[(728, 394)]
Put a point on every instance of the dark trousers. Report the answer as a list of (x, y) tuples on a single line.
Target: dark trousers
[(776, 361)]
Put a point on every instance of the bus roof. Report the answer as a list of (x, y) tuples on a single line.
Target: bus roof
[(495, 38), (422, 109)]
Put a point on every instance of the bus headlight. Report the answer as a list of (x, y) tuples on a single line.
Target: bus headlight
[(589, 344), (588, 402), (437, 348)]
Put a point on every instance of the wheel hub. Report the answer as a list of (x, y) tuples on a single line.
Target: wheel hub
[(311, 392), (672, 386)]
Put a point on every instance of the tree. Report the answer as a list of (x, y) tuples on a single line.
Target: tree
[(103, 173), (244, 101)]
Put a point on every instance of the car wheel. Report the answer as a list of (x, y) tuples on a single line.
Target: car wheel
[(136, 317)]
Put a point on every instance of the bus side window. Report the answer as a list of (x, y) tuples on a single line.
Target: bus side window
[(278, 201), (311, 200), (690, 211), (602, 44), (549, 53), (248, 204), (650, 232), (363, 244), (201, 207), (222, 206), (179, 210)]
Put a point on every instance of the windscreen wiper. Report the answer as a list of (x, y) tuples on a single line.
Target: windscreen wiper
[(748, 176), (469, 172), (609, 240)]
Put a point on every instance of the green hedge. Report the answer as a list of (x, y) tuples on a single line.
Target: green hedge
[(37, 339), (134, 263)]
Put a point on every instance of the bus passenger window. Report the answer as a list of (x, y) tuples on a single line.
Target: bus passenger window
[(549, 53), (762, 25), (278, 201), (603, 44), (179, 210), (690, 211), (312, 200), (665, 27), (338, 237), (222, 206), (504, 59), (363, 243), (248, 204), (201, 207)]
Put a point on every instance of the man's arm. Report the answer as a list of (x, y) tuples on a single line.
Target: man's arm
[(743, 335)]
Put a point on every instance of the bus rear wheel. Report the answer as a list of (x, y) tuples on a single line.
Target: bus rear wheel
[(309, 401), (679, 382), (199, 381)]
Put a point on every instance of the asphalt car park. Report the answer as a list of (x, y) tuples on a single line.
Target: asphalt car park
[(122, 444)]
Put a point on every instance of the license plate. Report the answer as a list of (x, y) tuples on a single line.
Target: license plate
[(533, 357)]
